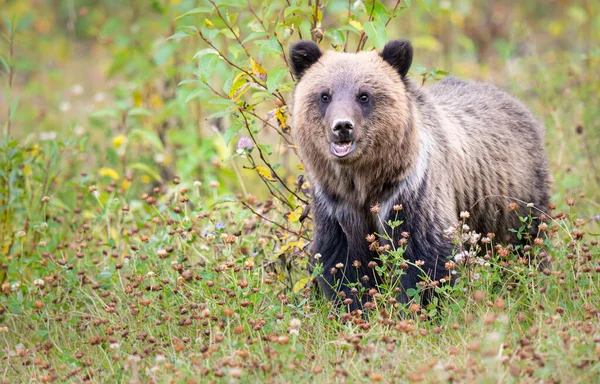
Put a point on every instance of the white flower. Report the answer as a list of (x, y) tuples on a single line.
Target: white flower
[(47, 136), (77, 89), (465, 227), (295, 324), (159, 359), (65, 106), (99, 97), (464, 215), (15, 286), (114, 345), (339, 265), (79, 130), (317, 256), (38, 282), (150, 274), (530, 205), (474, 238), (159, 158)]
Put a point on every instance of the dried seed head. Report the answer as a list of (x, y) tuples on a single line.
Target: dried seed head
[(375, 208)]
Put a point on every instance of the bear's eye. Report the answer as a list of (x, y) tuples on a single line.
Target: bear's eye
[(325, 98), (363, 98)]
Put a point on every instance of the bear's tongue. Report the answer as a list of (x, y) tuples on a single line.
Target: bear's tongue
[(341, 149)]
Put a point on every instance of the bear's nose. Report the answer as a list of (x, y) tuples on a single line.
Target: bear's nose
[(342, 126)]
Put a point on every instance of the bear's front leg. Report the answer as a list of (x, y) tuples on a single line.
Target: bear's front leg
[(427, 252), (344, 255)]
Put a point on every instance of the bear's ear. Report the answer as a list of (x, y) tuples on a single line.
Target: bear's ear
[(303, 54), (398, 54)]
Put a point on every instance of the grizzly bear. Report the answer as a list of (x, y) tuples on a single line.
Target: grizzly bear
[(368, 136)]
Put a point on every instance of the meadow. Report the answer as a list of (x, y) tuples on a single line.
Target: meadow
[(152, 205)]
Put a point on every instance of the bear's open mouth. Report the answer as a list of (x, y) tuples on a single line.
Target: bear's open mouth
[(343, 148)]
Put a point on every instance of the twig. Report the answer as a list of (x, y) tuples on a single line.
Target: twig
[(262, 157), (348, 32), (262, 23), (393, 11), (229, 27), (362, 40), (250, 75), (273, 222), (315, 19)]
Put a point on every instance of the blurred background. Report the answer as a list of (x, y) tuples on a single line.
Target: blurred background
[(128, 92)]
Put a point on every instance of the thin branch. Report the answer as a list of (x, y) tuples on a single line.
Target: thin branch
[(274, 192), (263, 158), (262, 23), (229, 27), (273, 222), (393, 11), (249, 74), (348, 32), (315, 19), (266, 122), (363, 36)]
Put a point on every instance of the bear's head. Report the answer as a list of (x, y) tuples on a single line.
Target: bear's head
[(350, 108)]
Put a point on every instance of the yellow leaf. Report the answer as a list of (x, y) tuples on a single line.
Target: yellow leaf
[(208, 23), (34, 149), (109, 172), (356, 24), (27, 169), (137, 98), (301, 167), (156, 101), (286, 247), (265, 173), (301, 284), (258, 70), (294, 216), (125, 184), (239, 87), (282, 119), (118, 141)]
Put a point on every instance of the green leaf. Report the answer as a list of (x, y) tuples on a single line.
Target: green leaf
[(231, 131), (224, 199), (147, 136), (145, 168), (206, 51), (376, 32), (195, 11), (4, 64), (254, 36), (275, 77), (178, 35), (219, 114), (207, 65), (139, 112), (108, 112)]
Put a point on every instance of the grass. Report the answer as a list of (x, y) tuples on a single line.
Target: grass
[(119, 273)]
